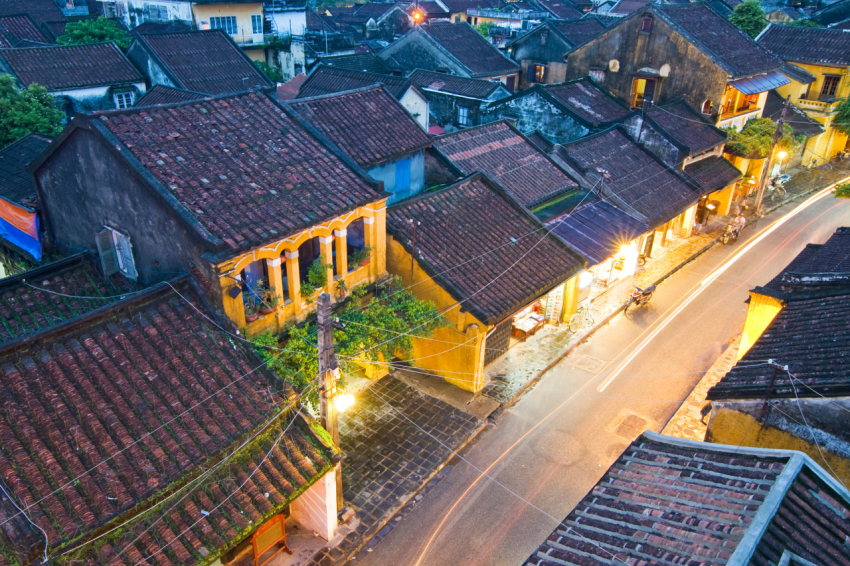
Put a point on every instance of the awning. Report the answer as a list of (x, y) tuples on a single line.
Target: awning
[(760, 83)]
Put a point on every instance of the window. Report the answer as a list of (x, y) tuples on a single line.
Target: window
[(536, 73), (402, 175), (227, 23), (256, 23), (462, 116), (646, 24), (116, 253), (830, 86), (123, 99), (707, 107), (642, 89), (156, 13)]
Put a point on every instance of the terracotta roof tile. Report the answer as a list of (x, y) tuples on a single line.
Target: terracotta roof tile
[(39, 10), (367, 124), (246, 169), (452, 84), (367, 62), (14, 29), (504, 154), (588, 101), (807, 45), (144, 393), (205, 61), (577, 31), (160, 94), (71, 66), (561, 9), (687, 127), (15, 179), (455, 224), (328, 80), (712, 173), (470, 48)]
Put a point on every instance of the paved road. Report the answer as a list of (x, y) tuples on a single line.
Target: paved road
[(543, 456)]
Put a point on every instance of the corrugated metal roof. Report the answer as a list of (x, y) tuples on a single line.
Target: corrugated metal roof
[(761, 83)]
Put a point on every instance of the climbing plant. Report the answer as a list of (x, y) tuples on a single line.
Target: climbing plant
[(756, 138)]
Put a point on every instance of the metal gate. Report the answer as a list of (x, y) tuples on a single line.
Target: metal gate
[(498, 342)]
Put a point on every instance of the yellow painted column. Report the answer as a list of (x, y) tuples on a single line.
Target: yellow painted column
[(379, 255), (326, 249), (341, 252), (293, 275), (275, 278), (370, 237), (234, 308)]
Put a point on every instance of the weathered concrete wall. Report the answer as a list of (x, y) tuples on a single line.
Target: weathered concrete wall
[(418, 107), (443, 108), (692, 74), (533, 112), (436, 173), (143, 61), (415, 51), (97, 98), (316, 508), (654, 141), (541, 46), (736, 423), (135, 12), (461, 360), (386, 172)]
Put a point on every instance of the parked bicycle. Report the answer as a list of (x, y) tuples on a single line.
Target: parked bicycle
[(777, 191), (583, 317)]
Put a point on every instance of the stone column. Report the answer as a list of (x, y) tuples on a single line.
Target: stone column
[(275, 278), (341, 252), (293, 275), (326, 249)]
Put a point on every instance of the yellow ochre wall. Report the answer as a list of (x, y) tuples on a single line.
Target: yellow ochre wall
[(456, 352), (827, 144), (762, 311), (243, 13), (736, 428)]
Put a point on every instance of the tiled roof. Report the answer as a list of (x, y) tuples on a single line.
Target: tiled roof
[(626, 7), (368, 124), (578, 31), (732, 49), (469, 47), (455, 224), (452, 84), (800, 122), (540, 141), (289, 89), (15, 180), (686, 127), (807, 45), (375, 10), (39, 10), (161, 94), (25, 311), (456, 6), (712, 173), (14, 29), (587, 101), (810, 336), (672, 501), (367, 62), (633, 177), (316, 23), (505, 155), (205, 61), (71, 66), (328, 80), (561, 9), (105, 413), (832, 258), (597, 229), (798, 74), (247, 171), (54, 28), (604, 19), (431, 9)]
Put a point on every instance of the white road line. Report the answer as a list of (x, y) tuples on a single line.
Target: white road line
[(710, 278)]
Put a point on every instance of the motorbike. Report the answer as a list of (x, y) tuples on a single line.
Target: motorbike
[(639, 296), (731, 234)]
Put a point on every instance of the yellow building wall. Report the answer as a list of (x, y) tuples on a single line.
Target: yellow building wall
[(243, 13), (735, 428), (455, 352), (829, 143), (761, 312)]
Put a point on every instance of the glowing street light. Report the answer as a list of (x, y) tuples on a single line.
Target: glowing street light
[(782, 154), (344, 402)]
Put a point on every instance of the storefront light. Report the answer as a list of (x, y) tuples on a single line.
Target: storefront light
[(585, 278)]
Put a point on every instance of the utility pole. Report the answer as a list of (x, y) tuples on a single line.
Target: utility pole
[(413, 248), (776, 367), (328, 375), (766, 171)]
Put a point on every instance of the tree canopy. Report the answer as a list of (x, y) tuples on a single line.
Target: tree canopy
[(804, 23), (841, 122), (272, 73), (94, 31), (843, 190), (749, 17), (756, 138), (28, 111)]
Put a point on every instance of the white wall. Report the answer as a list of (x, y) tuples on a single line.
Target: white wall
[(177, 10), (284, 23), (316, 508), (417, 105)]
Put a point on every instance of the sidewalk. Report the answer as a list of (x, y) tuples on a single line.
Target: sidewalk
[(524, 364), (388, 459)]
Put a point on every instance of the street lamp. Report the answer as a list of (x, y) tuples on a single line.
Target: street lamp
[(344, 402)]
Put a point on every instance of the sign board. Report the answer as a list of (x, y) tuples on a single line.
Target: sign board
[(267, 536)]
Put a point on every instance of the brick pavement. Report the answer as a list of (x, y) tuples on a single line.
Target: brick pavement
[(387, 460), (509, 376), (687, 422)]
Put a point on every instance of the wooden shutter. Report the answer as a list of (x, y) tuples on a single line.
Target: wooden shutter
[(126, 251), (108, 257)]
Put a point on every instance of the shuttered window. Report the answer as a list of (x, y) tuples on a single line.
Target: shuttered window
[(116, 253), (227, 23), (402, 175)]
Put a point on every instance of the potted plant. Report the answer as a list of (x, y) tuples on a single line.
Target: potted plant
[(360, 257), (341, 289), (317, 275), (269, 297), (251, 308)]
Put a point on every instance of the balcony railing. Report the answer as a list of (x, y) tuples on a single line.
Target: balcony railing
[(737, 118), (823, 106)]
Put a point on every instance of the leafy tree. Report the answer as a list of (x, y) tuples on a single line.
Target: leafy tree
[(749, 17), (841, 122), (804, 23), (272, 73), (843, 190), (756, 138), (484, 29), (27, 111), (94, 31), (374, 330)]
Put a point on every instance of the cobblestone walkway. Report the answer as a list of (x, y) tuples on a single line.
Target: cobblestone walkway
[(688, 422), (387, 459), (511, 374)]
